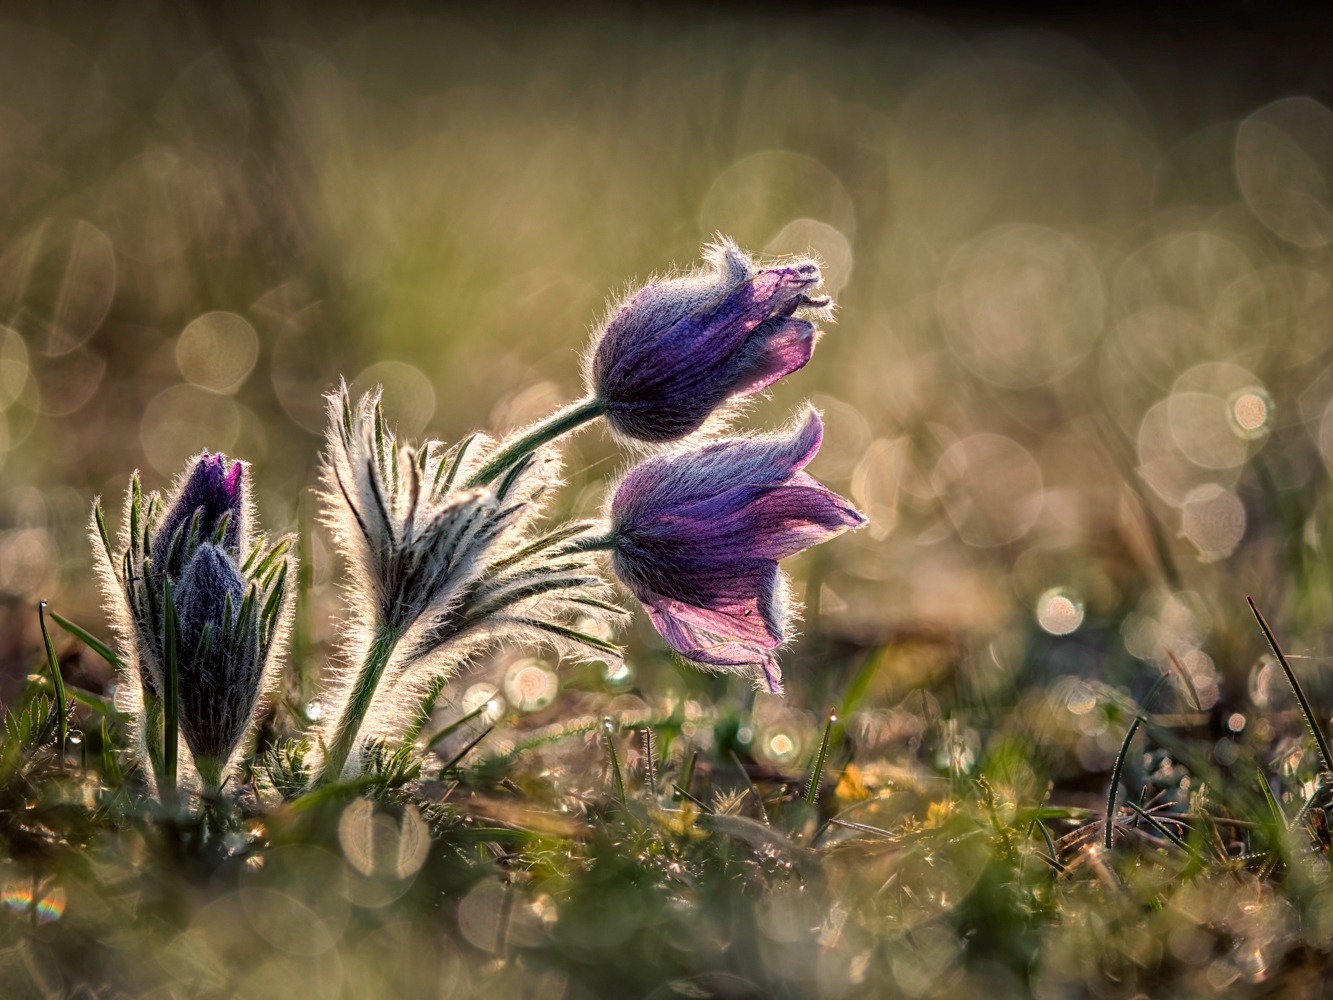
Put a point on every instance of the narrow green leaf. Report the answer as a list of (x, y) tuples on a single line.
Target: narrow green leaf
[(545, 542), (687, 776), (1325, 758), (425, 706), (754, 789), (615, 760), (1278, 816), (457, 758), (1120, 758), (92, 642), (447, 483), (62, 697), (110, 764), (220, 532), (1162, 828), (454, 726), (106, 539), (574, 635), (812, 792), (519, 467)]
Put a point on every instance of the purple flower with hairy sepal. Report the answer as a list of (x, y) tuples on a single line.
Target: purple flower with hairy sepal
[(678, 349), (214, 490), (194, 553), (697, 534)]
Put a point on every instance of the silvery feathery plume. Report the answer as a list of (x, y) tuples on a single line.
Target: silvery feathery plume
[(202, 607), (678, 349), (696, 535), (439, 569)]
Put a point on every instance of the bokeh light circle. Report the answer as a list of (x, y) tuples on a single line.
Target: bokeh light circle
[(183, 420), (1059, 611), (409, 397), (753, 199), (484, 696), (810, 237), (57, 284), (1284, 155), (530, 685), (1021, 305), (1213, 518), (217, 351), (13, 366), (1251, 412), (991, 488)]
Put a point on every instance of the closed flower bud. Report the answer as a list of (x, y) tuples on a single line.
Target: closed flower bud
[(189, 564), (696, 535), (679, 349), (220, 668)]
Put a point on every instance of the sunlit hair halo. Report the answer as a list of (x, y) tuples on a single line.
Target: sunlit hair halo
[(446, 550)]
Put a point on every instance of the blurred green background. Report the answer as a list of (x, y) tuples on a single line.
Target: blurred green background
[(1079, 378)]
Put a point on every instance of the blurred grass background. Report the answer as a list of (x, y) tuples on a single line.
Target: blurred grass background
[(1070, 253), (1080, 381)]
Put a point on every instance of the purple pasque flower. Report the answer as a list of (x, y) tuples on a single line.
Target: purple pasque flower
[(213, 489), (678, 349), (697, 535)]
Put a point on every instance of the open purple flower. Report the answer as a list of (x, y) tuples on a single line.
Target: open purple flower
[(697, 534), (680, 348)]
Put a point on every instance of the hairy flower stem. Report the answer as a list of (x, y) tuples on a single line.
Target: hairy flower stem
[(592, 543), (559, 423), (358, 702)]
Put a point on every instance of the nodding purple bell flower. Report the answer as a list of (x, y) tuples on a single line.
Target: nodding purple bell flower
[(679, 349), (213, 489), (697, 534)]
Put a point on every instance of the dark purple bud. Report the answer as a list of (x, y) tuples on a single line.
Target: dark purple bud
[(220, 667), (213, 488), (679, 349), (698, 534)]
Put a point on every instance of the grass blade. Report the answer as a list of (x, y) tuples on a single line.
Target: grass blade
[(615, 761), (458, 757), (62, 696), (106, 538), (1320, 741), (425, 706), (455, 725), (698, 802), (1120, 762), (1164, 830), (649, 766), (1189, 681), (92, 642), (1278, 816), (812, 792), (110, 765), (687, 775), (754, 789)]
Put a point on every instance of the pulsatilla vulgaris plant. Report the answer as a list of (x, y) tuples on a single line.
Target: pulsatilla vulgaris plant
[(202, 607), (448, 554)]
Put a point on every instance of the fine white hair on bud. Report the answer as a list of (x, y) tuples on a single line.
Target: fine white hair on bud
[(438, 571), (191, 591)]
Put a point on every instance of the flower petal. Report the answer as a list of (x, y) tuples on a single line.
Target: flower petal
[(674, 481), (774, 352), (744, 599)]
